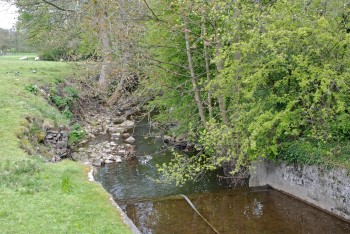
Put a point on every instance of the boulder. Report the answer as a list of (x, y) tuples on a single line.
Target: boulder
[(108, 161), (130, 140), (97, 162), (118, 159)]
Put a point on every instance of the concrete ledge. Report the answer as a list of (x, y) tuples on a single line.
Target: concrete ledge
[(328, 189)]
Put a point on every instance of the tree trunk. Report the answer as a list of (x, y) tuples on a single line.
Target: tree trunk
[(101, 15), (193, 76), (207, 62), (219, 68)]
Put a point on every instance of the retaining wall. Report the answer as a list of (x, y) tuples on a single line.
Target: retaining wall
[(328, 189)]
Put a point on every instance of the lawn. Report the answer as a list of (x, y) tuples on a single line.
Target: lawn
[(35, 196)]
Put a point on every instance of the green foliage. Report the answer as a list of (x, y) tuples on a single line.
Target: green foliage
[(284, 80), (54, 54), (76, 134), (64, 99), (32, 88)]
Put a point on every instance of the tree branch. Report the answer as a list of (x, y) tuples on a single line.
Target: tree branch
[(149, 8), (58, 7)]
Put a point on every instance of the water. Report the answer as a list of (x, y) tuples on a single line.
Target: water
[(157, 208)]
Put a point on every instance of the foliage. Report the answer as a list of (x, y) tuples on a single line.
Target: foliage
[(76, 134), (284, 79), (64, 99), (32, 88)]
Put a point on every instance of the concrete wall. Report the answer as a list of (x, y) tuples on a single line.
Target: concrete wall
[(328, 189)]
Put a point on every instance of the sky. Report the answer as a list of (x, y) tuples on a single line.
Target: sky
[(8, 15)]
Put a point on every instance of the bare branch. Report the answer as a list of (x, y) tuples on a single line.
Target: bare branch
[(56, 6)]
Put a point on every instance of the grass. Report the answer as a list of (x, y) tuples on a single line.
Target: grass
[(39, 197)]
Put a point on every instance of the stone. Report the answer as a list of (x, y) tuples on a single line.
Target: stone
[(62, 144), (130, 140), (75, 156), (97, 162), (108, 161), (118, 120), (128, 124), (114, 129), (118, 159), (126, 135)]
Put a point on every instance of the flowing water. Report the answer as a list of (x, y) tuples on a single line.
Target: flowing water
[(158, 208)]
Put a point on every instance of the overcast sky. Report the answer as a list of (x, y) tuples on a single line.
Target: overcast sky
[(8, 15)]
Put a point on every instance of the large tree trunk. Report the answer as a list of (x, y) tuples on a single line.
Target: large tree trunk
[(219, 68), (193, 76), (207, 61), (103, 32)]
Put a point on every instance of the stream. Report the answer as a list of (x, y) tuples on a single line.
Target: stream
[(159, 208)]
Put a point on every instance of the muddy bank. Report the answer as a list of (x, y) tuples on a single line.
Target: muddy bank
[(328, 189)]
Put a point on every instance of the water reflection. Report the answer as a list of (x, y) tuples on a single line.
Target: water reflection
[(258, 210)]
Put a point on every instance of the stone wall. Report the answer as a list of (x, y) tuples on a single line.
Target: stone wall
[(328, 189), (57, 140)]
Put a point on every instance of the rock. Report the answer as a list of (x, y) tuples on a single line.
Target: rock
[(118, 159), (114, 129), (62, 144), (128, 124), (119, 120), (116, 135), (108, 161), (75, 156), (90, 135), (108, 157), (130, 140), (97, 162), (123, 152), (113, 143), (126, 135), (181, 137)]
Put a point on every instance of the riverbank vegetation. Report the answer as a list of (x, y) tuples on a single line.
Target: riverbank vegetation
[(243, 79), (36, 196)]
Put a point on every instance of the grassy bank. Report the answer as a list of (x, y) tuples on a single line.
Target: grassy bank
[(39, 197)]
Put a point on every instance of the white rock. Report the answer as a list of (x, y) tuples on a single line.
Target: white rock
[(130, 140), (118, 159), (108, 161)]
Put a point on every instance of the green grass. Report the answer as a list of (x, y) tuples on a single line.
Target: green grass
[(39, 197)]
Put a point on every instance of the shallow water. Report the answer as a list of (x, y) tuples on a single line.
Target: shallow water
[(157, 208)]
